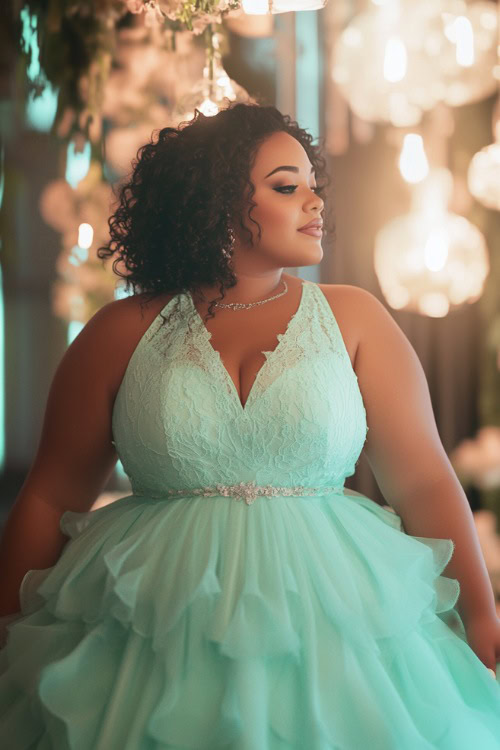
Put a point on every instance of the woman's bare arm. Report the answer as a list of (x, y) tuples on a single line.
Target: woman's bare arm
[(75, 456), (406, 454)]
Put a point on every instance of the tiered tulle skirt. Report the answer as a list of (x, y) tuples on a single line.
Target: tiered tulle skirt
[(304, 623)]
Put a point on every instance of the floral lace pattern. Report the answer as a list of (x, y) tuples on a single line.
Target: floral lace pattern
[(178, 422)]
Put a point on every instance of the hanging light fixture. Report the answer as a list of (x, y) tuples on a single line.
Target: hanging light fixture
[(380, 63), (431, 261), (483, 176), (215, 89), (263, 7), (251, 25), (399, 58), (467, 54)]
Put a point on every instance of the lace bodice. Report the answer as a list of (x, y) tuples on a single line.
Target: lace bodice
[(178, 421)]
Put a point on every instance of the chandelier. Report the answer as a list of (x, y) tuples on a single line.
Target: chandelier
[(483, 176), (215, 89), (397, 60), (431, 261), (468, 53)]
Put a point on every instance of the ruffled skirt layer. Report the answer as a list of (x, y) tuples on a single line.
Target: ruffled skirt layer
[(201, 622)]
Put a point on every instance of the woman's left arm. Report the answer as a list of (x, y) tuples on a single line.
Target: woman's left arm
[(442, 511), (411, 467)]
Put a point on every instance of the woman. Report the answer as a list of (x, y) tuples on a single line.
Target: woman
[(241, 598)]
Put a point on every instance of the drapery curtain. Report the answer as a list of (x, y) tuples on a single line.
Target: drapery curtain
[(462, 374)]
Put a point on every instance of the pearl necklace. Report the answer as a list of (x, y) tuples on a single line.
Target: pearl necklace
[(246, 305)]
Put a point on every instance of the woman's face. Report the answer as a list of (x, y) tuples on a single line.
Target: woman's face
[(286, 200)]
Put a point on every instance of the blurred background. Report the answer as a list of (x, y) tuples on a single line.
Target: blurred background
[(403, 96)]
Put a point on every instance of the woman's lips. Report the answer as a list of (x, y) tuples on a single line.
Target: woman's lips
[(313, 231)]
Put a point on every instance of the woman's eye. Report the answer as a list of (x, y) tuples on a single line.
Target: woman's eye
[(291, 188)]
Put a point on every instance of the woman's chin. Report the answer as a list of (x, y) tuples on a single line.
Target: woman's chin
[(315, 255)]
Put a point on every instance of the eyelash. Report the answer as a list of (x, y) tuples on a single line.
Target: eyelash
[(285, 187)]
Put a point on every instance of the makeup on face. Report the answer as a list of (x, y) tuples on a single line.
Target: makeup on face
[(287, 203), (312, 228)]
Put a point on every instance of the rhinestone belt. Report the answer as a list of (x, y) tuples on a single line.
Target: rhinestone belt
[(247, 491)]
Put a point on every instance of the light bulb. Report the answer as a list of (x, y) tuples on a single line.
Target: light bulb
[(462, 35), (85, 236), (208, 108), (413, 163), (255, 7), (395, 60), (436, 249)]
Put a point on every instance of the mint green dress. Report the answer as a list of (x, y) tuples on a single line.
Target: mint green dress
[(240, 598)]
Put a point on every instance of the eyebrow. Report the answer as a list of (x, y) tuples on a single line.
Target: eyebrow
[(286, 169)]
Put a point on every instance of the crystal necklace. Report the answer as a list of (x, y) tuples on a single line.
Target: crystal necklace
[(246, 305)]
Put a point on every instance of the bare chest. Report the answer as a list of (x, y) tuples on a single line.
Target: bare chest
[(241, 337)]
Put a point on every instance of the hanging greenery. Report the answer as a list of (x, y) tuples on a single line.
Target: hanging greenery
[(72, 44), (70, 48)]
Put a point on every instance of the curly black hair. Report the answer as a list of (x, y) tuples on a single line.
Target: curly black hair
[(174, 213)]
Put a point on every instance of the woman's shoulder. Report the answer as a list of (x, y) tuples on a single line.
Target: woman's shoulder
[(361, 314), (115, 331), (347, 303), (127, 319), (140, 306), (346, 294), (359, 304)]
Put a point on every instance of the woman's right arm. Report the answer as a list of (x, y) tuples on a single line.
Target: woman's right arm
[(75, 456)]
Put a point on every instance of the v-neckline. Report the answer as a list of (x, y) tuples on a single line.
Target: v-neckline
[(270, 354)]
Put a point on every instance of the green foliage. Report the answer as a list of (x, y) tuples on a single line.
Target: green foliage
[(73, 43)]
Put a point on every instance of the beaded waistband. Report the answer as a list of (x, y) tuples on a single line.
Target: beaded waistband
[(247, 491)]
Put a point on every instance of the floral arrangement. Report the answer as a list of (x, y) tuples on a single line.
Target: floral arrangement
[(145, 84), (73, 46), (87, 51), (76, 46), (194, 15)]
